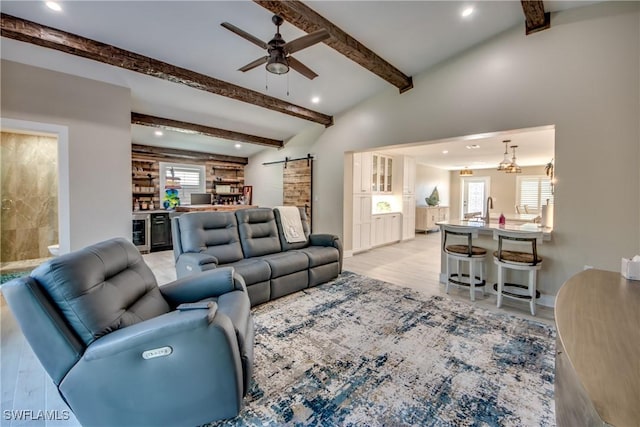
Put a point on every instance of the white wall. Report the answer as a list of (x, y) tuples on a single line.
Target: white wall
[(427, 178), (582, 76), (98, 118)]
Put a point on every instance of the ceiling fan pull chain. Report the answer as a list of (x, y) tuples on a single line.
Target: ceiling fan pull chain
[(266, 80), (287, 84)]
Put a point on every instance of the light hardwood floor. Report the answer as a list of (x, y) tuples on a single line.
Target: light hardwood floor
[(414, 263)]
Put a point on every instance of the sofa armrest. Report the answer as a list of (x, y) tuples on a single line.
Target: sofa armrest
[(194, 262), (199, 258), (327, 240), (207, 284), (323, 239)]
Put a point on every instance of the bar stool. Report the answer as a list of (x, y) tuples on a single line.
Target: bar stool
[(517, 260), (466, 252)]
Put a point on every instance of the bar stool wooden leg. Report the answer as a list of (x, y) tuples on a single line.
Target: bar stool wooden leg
[(482, 275), (472, 281), (532, 291), (500, 285)]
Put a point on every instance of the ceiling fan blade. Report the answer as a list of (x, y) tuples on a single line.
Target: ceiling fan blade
[(245, 35), (254, 64), (306, 41), (301, 68)]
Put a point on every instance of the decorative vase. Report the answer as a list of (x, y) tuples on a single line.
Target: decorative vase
[(434, 198)]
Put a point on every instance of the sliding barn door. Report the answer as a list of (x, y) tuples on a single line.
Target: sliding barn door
[(297, 189)]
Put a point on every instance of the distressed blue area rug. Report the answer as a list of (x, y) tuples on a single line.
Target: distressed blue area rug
[(358, 351)]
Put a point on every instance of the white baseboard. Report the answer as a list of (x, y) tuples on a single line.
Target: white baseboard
[(347, 254)]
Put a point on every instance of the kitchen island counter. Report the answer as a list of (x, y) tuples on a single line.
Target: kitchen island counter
[(223, 208), (484, 228)]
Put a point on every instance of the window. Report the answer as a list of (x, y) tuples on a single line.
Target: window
[(191, 179), (533, 192)]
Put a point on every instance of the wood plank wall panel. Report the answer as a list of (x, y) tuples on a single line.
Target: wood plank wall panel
[(297, 188), (149, 158)]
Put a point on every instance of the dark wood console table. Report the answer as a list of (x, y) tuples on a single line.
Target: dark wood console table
[(598, 351)]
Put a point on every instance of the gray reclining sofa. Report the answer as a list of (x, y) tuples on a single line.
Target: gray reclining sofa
[(252, 241)]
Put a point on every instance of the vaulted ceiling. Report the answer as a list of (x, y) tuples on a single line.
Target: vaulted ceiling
[(181, 64)]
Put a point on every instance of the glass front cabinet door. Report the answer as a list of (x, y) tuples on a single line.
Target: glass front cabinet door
[(381, 174)]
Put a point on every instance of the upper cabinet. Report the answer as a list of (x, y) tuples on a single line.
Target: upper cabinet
[(381, 173), (362, 173), (409, 175)]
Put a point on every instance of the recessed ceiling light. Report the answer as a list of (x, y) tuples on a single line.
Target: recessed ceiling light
[(467, 11), (238, 146), (158, 133), (472, 147), (54, 6), (315, 99), (445, 151)]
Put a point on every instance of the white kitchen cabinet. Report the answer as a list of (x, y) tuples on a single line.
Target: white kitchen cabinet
[(386, 228), (362, 173), (427, 217), (408, 217), (381, 173), (408, 175), (361, 239)]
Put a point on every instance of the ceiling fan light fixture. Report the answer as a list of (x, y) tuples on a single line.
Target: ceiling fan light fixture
[(277, 63)]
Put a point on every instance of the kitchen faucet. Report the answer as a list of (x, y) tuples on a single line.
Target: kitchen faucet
[(489, 206)]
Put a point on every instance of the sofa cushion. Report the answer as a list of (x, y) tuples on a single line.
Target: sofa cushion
[(252, 270), (258, 232), (213, 233), (321, 255), (102, 288), (284, 263)]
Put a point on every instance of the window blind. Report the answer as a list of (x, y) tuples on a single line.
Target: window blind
[(533, 192), (190, 177)]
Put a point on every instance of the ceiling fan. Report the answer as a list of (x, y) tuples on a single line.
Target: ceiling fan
[(279, 52)]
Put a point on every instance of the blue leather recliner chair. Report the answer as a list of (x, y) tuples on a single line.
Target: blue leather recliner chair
[(119, 348)]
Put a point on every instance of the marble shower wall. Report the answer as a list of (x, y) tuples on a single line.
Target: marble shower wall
[(29, 195)]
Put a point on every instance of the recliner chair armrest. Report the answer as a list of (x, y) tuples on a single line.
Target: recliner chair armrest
[(207, 284), (149, 334)]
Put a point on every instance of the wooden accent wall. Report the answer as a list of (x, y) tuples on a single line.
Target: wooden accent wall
[(296, 189), (145, 161)]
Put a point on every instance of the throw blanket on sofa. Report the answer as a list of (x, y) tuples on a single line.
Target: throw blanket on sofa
[(291, 224)]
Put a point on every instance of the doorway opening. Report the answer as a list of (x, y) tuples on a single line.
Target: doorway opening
[(29, 197), (475, 192)]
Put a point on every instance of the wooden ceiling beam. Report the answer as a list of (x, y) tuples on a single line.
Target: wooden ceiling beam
[(308, 20), (34, 33), (165, 154), (192, 128), (536, 19)]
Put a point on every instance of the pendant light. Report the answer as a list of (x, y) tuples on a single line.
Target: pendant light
[(513, 167), (504, 164), (466, 172)]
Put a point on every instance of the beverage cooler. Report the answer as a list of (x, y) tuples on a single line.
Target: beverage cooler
[(141, 232), (161, 232)]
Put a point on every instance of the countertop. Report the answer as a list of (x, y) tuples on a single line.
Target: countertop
[(155, 211), (488, 228), (386, 213), (597, 320)]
